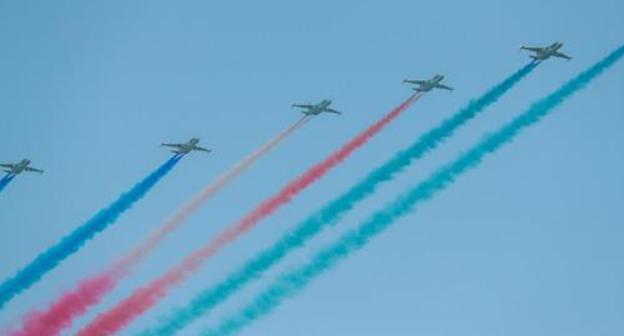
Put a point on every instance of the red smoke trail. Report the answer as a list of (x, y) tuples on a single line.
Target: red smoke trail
[(59, 315), (144, 298)]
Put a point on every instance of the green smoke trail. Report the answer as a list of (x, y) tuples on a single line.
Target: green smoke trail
[(296, 280), (332, 212)]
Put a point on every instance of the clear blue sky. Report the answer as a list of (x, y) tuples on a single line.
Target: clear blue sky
[(528, 244)]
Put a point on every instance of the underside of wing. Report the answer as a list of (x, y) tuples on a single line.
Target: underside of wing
[(534, 49), (442, 86), (331, 110), (562, 55), (201, 149), (34, 170), (418, 82), (305, 106), (172, 145)]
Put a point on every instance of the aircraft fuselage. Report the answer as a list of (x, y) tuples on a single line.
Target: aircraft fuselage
[(188, 147), (548, 52), (19, 167), (319, 108), (431, 84)]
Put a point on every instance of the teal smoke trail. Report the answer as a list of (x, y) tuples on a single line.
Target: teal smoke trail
[(71, 243), (296, 280), (5, 181), (332, 212)]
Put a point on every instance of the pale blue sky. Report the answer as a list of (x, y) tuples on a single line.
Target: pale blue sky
[(528, 244)]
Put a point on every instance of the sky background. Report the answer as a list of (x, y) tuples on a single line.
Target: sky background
[(530, 243)]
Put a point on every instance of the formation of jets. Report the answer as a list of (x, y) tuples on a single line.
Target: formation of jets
[(539, 54)]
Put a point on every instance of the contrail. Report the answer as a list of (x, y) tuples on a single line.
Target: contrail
[(71, 243), (5, 181), (72, 304), (296, 280), (143, 298), (335, 209)]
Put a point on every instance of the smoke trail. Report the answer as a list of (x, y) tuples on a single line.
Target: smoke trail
[(144, 298), (333, 211), (5, 181), (71, 243), (72, 304), (296, 280)]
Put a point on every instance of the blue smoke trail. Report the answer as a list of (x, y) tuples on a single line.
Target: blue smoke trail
[(5, 181), (332, 212), (71, 243), (296, 280)]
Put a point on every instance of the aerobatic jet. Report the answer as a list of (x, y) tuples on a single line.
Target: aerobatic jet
[(20, 167), (429, 84), (323, 106), (186, 147), (543, 53)]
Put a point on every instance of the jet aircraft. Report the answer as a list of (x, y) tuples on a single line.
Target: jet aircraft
[(316, 109), (19, 167), (544, 53), (187, 147), (429, 84)]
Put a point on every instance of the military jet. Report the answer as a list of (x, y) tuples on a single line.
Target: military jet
[(429, 84), (20, 167), (323, 106), (186, 147), (543, 53)]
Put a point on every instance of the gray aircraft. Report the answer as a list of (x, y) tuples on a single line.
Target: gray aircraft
[(323, 106), (429, 84), (186, 147), (543, 53), (20, 167)]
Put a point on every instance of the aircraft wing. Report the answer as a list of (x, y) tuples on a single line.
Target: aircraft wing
[(535, 49), (201, 149), (305, 106), (562, 55), (442, 86), (172, 145), (331, 110), (7, 165), (419, 82), (34, 170)]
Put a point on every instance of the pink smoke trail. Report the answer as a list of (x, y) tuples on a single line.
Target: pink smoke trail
[(72, 304), (142, 299)]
